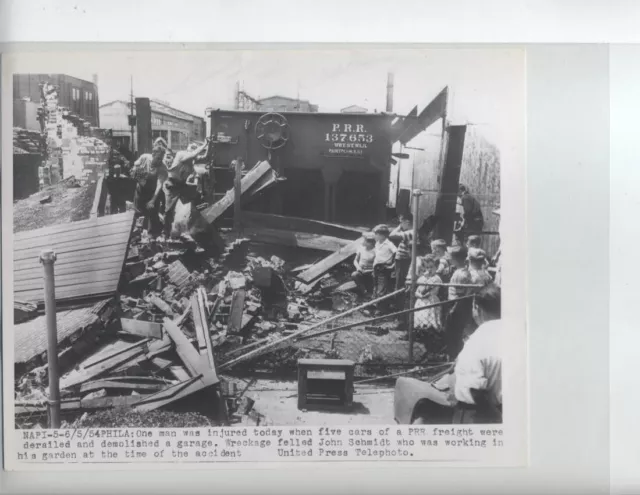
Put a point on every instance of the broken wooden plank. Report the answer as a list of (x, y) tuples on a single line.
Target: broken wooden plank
[(194, 362), (160, 304), (160, 363), (323, 266), (202, 304), (307, 288), (180, 373), (295, 224), (212, 213), (176, 392), (295, 239), (142, 328), (95, 370), (124, 383), (267, 180), (122, 350), (237, 309), (200, 324)]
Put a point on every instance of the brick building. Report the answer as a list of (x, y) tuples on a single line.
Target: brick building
[(77, 95), (178, 128)]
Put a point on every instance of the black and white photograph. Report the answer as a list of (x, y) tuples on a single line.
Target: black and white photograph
[(280, 240)]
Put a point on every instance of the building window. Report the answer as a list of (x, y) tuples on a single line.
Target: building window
[(160, 134), (75, 94)]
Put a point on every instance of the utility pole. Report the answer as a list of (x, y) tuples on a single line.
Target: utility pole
[(414, 269), (390, 92), (48, 258), (132, 121)]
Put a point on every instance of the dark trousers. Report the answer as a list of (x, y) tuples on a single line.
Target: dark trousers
[(458, 319), (475, 414), (382, 276), (151, 215), (364, 281), (401, 272), (117, 188)]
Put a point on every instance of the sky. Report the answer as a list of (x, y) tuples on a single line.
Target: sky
[(486, 85)]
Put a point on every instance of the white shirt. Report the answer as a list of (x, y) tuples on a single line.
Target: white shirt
[(479, 364)]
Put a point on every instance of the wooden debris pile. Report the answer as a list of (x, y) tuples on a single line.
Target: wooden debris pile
[(180, 315)]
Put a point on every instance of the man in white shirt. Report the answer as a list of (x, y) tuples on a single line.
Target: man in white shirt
[(478, 370)]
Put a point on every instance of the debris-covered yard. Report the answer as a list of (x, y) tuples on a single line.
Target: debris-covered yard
[(210, 324), (66, 201), (190, 337)]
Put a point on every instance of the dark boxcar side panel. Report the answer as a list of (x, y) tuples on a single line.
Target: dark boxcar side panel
[(336, 165)]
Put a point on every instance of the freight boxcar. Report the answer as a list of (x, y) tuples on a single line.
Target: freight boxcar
[(336, 165)]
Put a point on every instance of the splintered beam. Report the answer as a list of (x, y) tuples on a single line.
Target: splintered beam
[(213, 212)]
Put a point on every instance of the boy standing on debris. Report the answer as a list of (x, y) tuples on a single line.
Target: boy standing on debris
[(444, 270), (363, 276), (459, 319), (439, 250), (477, 259), (383, 264), (404, 234)]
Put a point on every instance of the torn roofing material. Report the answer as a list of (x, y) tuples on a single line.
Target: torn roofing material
[(31, 336), (90, 258)]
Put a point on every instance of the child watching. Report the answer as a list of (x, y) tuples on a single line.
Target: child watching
[(477, 259), (404, 234), (426, 295), (363, 263), (383, 264), (459, 318)]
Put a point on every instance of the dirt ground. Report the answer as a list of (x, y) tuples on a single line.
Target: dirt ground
[(68, 204), (278, 402)]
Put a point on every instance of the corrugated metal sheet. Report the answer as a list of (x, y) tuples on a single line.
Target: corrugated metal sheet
[(31, 337), (90, 257)]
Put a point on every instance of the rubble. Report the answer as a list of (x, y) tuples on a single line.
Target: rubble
[(185, 317)]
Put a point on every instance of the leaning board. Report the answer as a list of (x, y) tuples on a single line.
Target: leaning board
[(90, 258)]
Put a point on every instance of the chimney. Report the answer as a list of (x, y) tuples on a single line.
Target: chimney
[(94, 78), (390, 92)]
